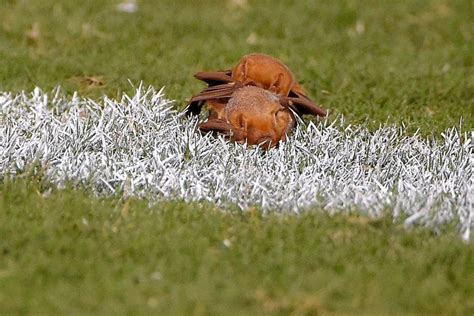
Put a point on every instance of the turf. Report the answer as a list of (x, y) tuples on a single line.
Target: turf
[(402, 60), (67, 252), (63, 252)]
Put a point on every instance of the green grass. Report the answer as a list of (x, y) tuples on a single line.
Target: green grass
[(370, 60), (68, 253)]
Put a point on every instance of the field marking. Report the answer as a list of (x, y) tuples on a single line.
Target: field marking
[(140, 146)]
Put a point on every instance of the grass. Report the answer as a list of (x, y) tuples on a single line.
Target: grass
[(64, 252), (403, 60), (70, 253)]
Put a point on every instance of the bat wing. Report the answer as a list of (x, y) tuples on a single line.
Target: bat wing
[(214, 78), (222, 91), (303, 105), (218, 126)]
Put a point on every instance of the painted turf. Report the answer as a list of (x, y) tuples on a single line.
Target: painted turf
[(140, 146)]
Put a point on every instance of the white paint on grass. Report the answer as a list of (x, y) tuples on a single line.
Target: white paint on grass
[(140, 146)]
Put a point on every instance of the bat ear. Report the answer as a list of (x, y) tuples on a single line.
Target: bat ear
[(303, 105), (222, 127)]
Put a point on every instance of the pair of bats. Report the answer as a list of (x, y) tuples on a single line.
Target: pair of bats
[(255, 102)]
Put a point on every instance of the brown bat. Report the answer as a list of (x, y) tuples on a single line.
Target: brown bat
[(254, 115), (256, 70)]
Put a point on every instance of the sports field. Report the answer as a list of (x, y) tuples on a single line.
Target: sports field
[(112, 204)]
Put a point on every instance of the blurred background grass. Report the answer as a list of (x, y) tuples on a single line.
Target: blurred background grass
[(405, 61)]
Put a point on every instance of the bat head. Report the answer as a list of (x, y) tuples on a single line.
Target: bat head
[(265, 72), (255, 116)]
